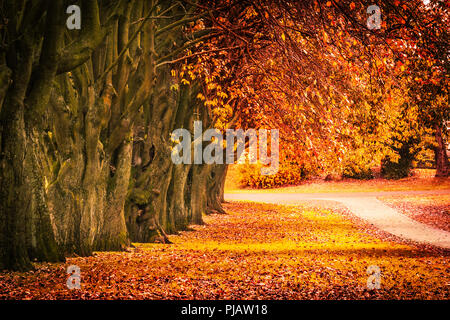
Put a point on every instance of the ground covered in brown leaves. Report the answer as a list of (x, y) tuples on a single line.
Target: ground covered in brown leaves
[(256, 251), (433, 210)]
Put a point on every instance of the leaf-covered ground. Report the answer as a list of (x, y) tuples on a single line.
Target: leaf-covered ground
[(433, 210), (256, 251), (422, 179)]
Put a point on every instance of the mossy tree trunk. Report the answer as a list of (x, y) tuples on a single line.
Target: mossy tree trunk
[(93, 137), (29, 68), (26, 233), (215, 188)]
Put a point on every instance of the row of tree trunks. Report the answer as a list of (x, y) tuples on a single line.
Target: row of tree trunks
[(160, 188), (86, 119), (166, 196), (56, 198)]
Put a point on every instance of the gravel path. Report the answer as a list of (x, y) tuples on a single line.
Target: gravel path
[(366, 206)]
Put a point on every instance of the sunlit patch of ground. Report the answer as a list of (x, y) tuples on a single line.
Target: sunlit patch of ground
[(422, 179), (256, 251), (433, 210)]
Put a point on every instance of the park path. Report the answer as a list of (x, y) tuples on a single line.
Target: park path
[(365, 205)]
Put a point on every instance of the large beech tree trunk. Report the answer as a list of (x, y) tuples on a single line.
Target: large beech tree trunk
[(215, 185), (41, 242), (200, 173), (177, 192), (114, 235), (26, 233), (13, 190)]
